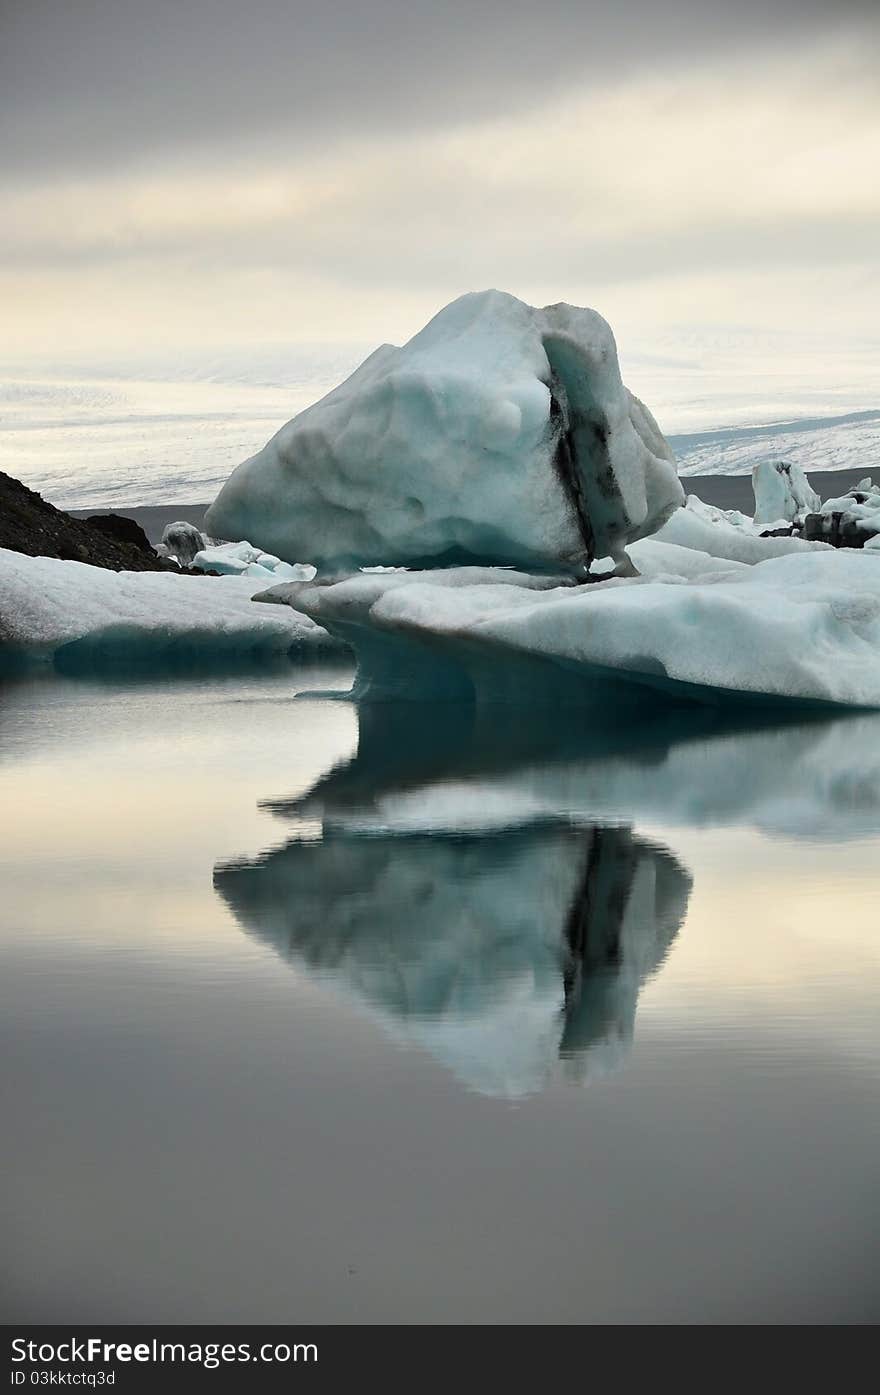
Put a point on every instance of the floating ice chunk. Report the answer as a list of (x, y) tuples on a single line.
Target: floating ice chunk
[(229, 559), (182, 540), (656, 559), (293, 571), (720, 538), (499, 434), (259, 573), (712, 514), (74, 613), (242, 559), (733, 518), (782, 492), (800, 628), (213, 559)]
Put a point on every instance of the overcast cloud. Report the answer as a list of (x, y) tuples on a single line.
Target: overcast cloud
[(203, 170)]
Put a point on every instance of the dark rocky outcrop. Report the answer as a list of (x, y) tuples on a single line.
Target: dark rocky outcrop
[(30, 525), (837, 528), (845, 521), (124, 530)]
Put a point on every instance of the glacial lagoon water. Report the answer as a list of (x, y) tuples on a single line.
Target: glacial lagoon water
[(426, 1014)]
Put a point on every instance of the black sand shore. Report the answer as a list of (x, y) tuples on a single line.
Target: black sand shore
[(724, 491)]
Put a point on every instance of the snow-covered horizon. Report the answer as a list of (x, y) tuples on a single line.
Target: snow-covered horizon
[(162, 429)]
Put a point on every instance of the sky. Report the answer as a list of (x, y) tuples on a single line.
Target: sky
[(203, 172)]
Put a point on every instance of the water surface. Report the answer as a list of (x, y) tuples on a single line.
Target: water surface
[(424, 1014)]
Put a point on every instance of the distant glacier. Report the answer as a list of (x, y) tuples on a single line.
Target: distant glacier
[(846, 442), (156, 429)]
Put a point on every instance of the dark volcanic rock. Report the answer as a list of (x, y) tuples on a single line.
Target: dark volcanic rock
[(124, 530), (841, 527), (29, 525), (837, 528)]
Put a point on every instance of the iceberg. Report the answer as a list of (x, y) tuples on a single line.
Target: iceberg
[(783, 494), (724, 533), (500, 434), (74, 615), (182, 541), (242, 559), (799, 628)]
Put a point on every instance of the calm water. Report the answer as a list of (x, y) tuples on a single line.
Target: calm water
[(442, 1017)]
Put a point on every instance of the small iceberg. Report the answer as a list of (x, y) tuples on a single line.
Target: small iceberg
[(242, 559), (182, 541), (783, 494), (72, 614)]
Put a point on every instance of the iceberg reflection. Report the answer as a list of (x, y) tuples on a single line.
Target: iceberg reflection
[(477, 881), (458, 767), (500, 952), (511, 944)]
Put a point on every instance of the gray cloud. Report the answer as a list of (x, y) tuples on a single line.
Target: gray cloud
[(90, 84), (179, 172)]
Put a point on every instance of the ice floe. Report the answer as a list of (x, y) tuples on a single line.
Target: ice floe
[(803, 627), (242, 559), (727, 534), (73, 614)]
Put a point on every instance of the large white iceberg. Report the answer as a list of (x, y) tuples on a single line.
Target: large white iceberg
[(499, 434), (804, 627), (72, 613)]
